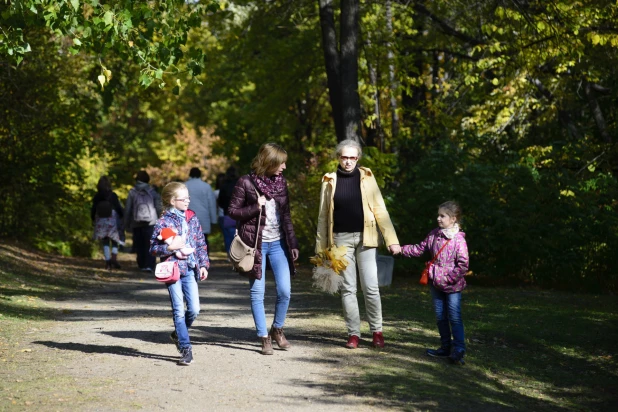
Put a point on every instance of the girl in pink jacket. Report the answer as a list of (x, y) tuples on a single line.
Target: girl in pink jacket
[(446, 279)]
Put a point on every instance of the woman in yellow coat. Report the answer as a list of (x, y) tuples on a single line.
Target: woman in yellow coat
[(351, 211)]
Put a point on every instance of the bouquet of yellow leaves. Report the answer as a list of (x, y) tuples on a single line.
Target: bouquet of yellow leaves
[(328, 264)]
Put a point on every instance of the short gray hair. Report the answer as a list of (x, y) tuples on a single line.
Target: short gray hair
[(348, 143)]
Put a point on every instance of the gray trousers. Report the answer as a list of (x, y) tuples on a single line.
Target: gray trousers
[(363, 258)]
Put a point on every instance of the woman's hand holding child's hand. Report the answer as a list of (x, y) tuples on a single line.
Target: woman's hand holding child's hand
[(395, 249)]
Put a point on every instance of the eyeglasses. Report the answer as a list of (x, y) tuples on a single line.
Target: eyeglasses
[(185, 199), (352, 158)]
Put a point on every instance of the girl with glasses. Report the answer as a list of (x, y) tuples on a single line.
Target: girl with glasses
[(184, 222)]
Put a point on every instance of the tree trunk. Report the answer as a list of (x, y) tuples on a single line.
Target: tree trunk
[(411, 102), (332, 64), (349, 69), (597, 114), (391, 73), (370, 139), (563, 116)]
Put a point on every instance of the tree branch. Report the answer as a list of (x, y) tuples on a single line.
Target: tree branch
[(446, 28)]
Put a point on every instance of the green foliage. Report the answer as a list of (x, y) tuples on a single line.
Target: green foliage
[(45, 127), (59, 135), (153, 34), (535, 225)]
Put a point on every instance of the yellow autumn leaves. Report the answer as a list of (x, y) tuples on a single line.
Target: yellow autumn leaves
[(105, 76), (332, 258)]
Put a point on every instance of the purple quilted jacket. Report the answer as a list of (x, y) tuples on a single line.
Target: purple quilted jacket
[(448, 271)]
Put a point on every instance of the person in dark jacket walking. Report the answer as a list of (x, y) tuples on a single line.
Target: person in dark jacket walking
[(142, 210), (227, 224), (266, 188), (105, 212)]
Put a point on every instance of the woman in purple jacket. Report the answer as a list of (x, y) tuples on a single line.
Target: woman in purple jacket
[(446, 279), (177, 216), (266, 189)]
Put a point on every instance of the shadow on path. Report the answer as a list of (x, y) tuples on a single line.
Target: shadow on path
[(105, 349)]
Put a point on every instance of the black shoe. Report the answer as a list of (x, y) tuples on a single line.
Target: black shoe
[(439, 353), (174, 338), (186, 357), (457, 357)]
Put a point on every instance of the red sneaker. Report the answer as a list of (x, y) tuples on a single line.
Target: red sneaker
[(378, 340), (352, 342)]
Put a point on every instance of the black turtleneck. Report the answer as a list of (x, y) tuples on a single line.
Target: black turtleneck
[(348, 214)]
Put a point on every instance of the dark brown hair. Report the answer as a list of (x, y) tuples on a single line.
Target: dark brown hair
[(452, 209), (104, 186), (142, 176)]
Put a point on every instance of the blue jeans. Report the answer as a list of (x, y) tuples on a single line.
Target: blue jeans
[(228, 234), (448, 317), (281, 270), (105, 243), (184, 290)]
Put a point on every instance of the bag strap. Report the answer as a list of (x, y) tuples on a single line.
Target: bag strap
[(439, 251), (259, 221)]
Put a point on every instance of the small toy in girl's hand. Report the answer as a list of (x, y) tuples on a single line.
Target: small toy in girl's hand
[(167, 235)]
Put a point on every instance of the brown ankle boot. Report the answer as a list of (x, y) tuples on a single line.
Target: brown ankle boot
[(279, 337), (108, 265), (267, 346)]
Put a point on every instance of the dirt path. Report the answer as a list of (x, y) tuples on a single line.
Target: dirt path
[(110, 350)]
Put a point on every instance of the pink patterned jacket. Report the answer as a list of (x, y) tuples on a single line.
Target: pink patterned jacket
[(447, 272)]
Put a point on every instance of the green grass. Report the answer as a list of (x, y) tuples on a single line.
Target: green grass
[(526, 350), (29, 279)]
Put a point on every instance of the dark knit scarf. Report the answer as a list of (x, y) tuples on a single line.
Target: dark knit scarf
[(270, 186)]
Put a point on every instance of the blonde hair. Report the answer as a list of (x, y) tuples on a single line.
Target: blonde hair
[(169, 192), (268, 159)]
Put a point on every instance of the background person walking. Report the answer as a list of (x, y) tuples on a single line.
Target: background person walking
[(105, 213), (203, 201), (142, 209), (226, 223)]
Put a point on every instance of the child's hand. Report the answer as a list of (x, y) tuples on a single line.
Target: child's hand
[(262, 200), (395, 249), (203, 274)]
